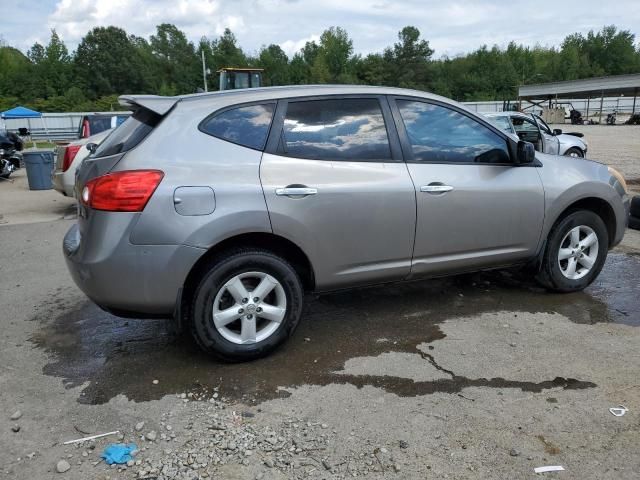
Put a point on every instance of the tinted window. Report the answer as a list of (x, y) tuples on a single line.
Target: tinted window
[(340, 129), (247, 126), (129, 134), (440, 134)]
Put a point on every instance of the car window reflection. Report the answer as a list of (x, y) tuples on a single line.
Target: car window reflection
[(340, 129)]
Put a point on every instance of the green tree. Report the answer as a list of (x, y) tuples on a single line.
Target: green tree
[(176, 63), (107, 62), (408, 60), (276, 65), (331, 62)]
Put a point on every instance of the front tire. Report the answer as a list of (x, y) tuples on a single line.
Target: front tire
[(574, 152), (575, 253), (246, 305)]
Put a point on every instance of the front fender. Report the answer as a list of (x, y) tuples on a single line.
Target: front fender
[(568, 181)]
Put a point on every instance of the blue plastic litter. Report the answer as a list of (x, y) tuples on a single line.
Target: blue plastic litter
[(118, 453)]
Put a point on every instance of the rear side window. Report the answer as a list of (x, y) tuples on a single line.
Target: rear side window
[(247, 126), (441, 135), (132, 131), (349, 129)]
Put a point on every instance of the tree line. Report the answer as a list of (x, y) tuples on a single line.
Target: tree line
[(108, 62)]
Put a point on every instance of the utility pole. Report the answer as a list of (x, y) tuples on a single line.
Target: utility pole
[(204, 71)]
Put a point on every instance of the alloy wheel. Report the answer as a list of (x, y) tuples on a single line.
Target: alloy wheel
[(249, 307), (578, 252)]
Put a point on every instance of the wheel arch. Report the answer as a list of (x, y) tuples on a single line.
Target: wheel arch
[(277, 244), (597, 205)]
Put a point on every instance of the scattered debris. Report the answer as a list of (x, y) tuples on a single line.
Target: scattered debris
[(514, 453), (618, 411), (404, 444), (151, 436), (16, 416), (549, 468), (84, 439), (15, 428), (62, 466), (119, 453), (156, 382), (139, 426)]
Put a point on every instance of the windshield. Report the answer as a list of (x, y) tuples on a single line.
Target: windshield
[(502, 123), (129, 134)]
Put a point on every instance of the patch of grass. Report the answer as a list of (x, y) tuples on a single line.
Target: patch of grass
[(45, 145)]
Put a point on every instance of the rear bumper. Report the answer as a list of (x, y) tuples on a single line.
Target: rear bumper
[(58, 179), (126, 279)]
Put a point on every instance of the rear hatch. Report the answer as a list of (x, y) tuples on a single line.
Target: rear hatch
[(148, 112), (116, 145)]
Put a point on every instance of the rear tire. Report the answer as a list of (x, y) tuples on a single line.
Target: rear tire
[(575, 253), (574, 152), (246, 305), (634, 222)]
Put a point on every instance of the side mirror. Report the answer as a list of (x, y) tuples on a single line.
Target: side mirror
[(526, 152), (557, 131), (92, 147)]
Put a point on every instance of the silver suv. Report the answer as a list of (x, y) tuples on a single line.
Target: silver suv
[(222, 209)]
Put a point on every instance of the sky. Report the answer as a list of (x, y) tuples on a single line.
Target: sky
[(452, 27)]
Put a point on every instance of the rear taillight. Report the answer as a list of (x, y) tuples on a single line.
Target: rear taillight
[(86, 129), (127, 191), (70, 153)]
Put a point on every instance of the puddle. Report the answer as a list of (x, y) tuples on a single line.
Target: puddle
[(118, 356)]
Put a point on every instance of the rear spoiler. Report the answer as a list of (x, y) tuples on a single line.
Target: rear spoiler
[(155, 103)]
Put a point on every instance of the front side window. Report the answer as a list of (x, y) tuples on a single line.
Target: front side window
[(543, 125), (348, 129), (442, 135), (247, 126), (525, 129)]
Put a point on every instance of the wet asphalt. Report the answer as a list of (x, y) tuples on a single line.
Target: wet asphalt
[(112, 356)]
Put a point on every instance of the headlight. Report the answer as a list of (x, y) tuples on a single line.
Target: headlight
[(619, 177), (1, 151)]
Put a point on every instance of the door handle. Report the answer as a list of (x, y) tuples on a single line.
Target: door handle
[(437, 188), (296, 191)]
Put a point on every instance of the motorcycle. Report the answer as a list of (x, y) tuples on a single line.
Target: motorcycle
[(10, 156), (611, 118)]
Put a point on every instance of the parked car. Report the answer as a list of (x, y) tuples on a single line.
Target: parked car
[(222, 209), (99, 122), (532, 128), (68, 158)]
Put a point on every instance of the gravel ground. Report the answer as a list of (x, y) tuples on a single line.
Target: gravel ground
[(618, 146)]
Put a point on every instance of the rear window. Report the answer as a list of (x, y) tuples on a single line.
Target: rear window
[(129, 134), (93, 124), (247, 126)]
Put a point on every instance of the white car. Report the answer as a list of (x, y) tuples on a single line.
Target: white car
[(532, 128), (69, 157)]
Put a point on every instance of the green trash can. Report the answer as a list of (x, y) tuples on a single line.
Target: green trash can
[(39, 165)]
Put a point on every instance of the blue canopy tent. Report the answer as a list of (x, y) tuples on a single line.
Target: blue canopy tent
[(23, 112)]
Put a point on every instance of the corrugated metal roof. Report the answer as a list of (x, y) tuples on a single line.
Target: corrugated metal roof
[(617, 85)]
